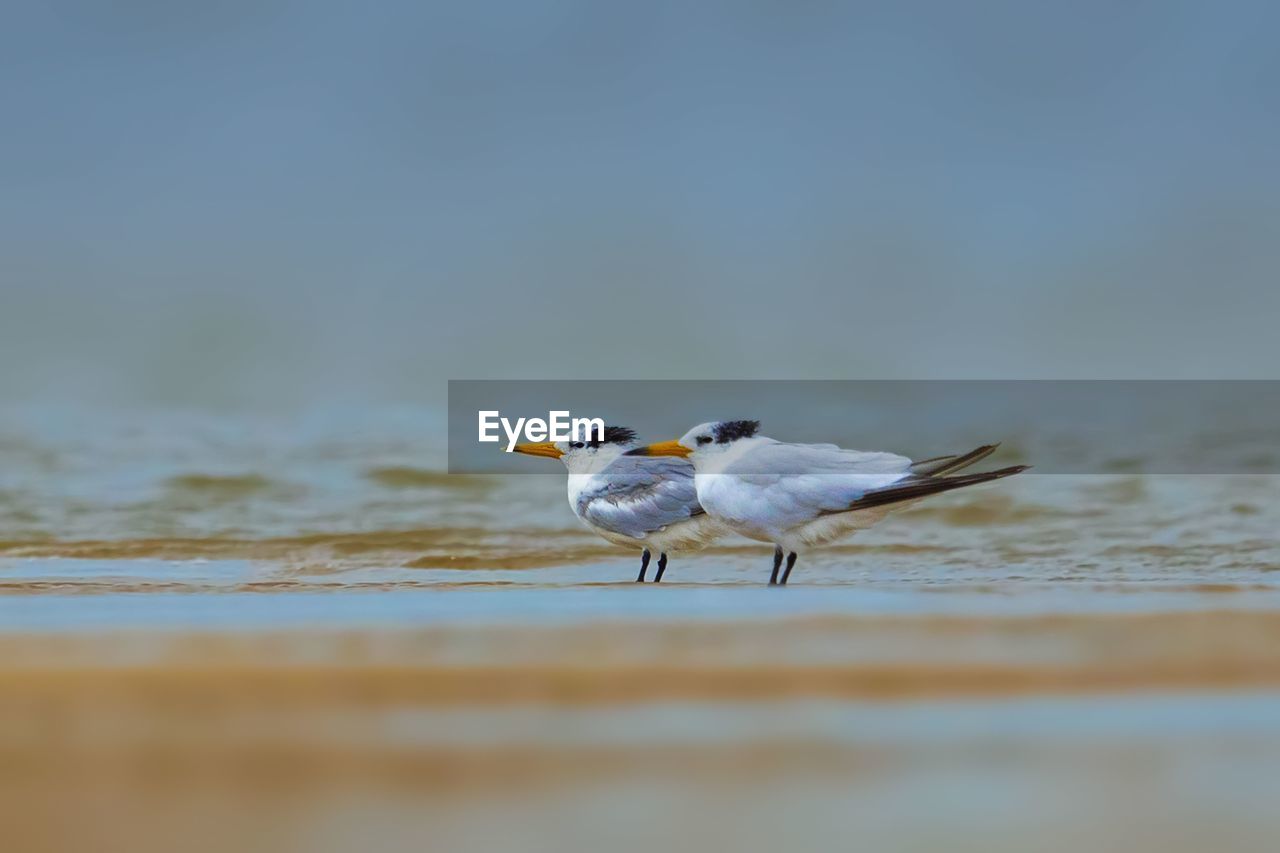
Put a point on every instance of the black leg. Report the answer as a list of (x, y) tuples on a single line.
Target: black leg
[(644, 565), (791, 562), (662, 567), (777, 563)]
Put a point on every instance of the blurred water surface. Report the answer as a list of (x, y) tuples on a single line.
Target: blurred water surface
[(297, 631)]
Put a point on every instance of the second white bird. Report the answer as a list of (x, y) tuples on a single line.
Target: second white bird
[(800, 495), (634, 501)]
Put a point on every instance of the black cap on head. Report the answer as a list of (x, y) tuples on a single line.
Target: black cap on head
[(614, 435), (727, 431)]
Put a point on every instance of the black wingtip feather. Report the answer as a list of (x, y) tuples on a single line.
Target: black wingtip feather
[(925, 487), (949, 465)]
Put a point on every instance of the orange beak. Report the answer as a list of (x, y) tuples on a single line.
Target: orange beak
[(662, 448), (539, 448)]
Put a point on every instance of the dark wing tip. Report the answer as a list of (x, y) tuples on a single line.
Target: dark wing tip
[(993, 475), (922, 488), (943, 465)]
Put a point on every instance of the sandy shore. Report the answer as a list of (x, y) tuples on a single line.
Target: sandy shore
[(862, 658), (1151, 731)]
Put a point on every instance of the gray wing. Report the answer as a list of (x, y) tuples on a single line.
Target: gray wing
[(801, 481), (804, 480), (771, 462), (636, 495)]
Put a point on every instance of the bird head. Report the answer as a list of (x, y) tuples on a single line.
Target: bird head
[(581, 453), (703, 441)]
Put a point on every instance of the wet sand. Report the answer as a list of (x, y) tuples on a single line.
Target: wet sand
[(863, 658), (1056, 730)]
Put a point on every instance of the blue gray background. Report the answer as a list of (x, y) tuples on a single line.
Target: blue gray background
[(264, 204)]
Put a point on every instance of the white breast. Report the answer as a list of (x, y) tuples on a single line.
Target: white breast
[(741, 506)]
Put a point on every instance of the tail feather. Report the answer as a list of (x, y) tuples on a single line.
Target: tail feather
[(925, 486), (943, 465)]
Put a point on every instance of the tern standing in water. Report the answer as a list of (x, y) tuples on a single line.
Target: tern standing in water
[(635, 501), (800, 495)]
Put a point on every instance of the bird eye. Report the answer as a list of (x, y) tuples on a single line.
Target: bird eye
[(704, 439), (577, 444)]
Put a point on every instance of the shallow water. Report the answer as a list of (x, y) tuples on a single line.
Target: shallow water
[(299, 633)]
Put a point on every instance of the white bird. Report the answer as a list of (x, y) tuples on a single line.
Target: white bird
[(799, 495), (634, 501)]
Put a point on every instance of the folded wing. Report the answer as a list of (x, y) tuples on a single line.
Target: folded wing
[(800, 481), (803, 480), (637, 495)]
